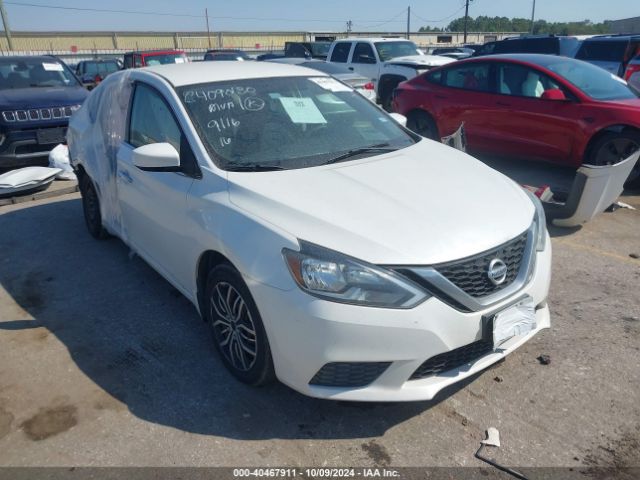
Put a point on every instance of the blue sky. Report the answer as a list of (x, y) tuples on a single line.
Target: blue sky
[(300, 15)]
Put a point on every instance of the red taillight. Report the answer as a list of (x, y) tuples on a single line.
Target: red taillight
[(97, 78), (369, 86), (631, 69)]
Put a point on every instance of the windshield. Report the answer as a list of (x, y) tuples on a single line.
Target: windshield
[(288, 122), (36, 72), (320, 49), (165, 58), (593, 81), (389, 50), (102, 68)]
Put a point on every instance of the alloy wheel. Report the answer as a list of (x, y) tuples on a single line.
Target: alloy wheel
[(615, 150), (233, 325)]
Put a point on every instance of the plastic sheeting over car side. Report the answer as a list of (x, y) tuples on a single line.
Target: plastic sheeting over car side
[(95, 134)]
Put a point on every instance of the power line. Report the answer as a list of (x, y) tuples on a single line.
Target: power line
[(222, 17), (403, 12), (441, 19)]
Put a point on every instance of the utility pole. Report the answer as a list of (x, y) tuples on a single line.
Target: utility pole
[(5, 22), (206, 14), (349, 25), (408, 22), (466, 18), (533, 15)]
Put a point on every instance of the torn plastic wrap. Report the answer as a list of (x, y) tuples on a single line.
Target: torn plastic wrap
[(457, 139), (95, 134)]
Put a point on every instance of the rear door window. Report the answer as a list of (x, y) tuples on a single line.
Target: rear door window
[(341, 52), (521, 81), (363, 53), (471, 76)]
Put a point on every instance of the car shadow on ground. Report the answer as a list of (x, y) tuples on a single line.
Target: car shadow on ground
[(144, 344)]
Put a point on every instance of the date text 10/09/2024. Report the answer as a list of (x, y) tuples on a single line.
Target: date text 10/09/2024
[(316, 472)]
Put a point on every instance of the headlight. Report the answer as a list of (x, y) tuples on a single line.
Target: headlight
[(340, 278), (540, 220)]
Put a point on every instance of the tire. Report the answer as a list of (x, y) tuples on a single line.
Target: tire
[(423, 124), (91, 208), (612, 147), (236, 327)]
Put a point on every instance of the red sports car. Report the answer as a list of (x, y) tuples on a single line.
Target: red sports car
[(538, 107)]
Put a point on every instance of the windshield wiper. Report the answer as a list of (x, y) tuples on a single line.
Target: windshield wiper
[(380, 147), (253, 168)]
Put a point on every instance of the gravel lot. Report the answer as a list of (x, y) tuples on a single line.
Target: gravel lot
[(103, 363)]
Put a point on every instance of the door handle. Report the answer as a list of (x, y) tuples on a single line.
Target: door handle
[(503, 104), (441, 96), (351, 68), (126, 176)]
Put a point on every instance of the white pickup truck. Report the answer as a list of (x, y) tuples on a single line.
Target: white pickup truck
[(386, 61)]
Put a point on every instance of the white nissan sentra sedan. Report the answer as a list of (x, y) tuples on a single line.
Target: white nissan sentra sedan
[(325, 244)]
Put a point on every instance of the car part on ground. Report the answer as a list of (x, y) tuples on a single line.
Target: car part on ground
[(595, 188), (23, 181), (339, 196)]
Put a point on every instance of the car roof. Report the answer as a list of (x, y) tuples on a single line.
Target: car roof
[(181, 74), (371, 39), (612, 38), (145, 52), (37, 58), (518, 57)]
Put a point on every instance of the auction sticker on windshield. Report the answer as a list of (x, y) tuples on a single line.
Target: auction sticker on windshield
[(52, 67), (330, 84), (302, 110)]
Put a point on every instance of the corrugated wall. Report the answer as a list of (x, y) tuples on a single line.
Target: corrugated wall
[(53, 41), (84, 41)]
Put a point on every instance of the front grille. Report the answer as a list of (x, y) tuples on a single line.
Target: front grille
[(349, 374), (471, 274), (38, 114), (453, 359)]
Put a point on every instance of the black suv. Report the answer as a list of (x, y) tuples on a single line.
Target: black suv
[(546, 44), (611, 52), (37, 97)]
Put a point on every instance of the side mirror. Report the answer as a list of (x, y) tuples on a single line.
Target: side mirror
[(553, 94), (401, 119), (157, 157)]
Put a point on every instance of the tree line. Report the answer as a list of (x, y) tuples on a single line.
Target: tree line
[(504, 24)]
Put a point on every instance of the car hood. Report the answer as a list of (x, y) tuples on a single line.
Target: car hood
[(421, 205), (420, 60), (41, 97)]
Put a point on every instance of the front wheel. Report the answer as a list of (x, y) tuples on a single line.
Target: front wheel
[(423, 124), (237, 328), (91, 208), (613, 147)]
